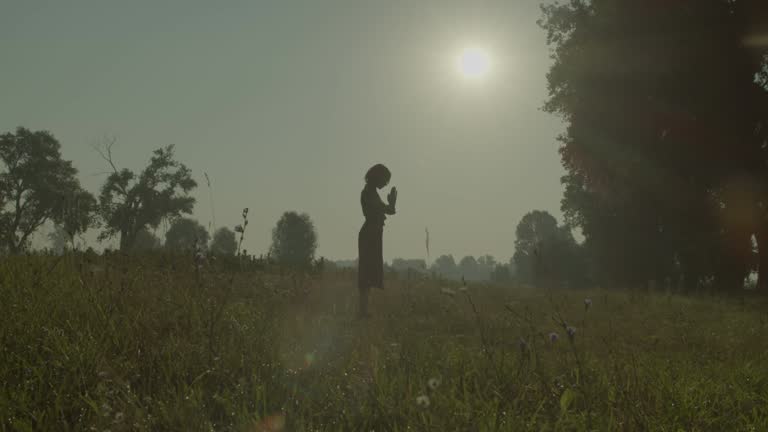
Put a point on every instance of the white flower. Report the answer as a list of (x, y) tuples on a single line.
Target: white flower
[(423, 401), (587, 303), (434, 383)]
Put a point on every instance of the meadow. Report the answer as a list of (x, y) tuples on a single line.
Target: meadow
[(156, 343)]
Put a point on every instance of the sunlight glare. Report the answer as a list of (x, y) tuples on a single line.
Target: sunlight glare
[(474, 63)]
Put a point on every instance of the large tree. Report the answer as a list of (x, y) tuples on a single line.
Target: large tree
[(294, 240), (129, 202), (662, 109), (224, 242), (37, 185), (545, 250), (186, 233)]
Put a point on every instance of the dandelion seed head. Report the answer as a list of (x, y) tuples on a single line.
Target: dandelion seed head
[(422, 401), (434, 383)]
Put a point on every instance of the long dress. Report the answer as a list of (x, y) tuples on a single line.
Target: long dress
[(370, 267)]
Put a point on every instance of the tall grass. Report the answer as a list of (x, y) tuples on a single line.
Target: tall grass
[(153, 343)]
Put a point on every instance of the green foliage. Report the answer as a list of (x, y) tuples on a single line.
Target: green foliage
[(664, 146), (145, 241), (129, 203), (445, 266), (294, 240), (501, 274), (150, 342), (545, 251), (468, 268), (224, 242), (37, 185), (185, 233)]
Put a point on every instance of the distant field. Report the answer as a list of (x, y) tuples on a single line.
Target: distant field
[(151, 343)]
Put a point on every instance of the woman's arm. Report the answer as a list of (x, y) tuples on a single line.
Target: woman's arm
[(391, 199), (389, 208)]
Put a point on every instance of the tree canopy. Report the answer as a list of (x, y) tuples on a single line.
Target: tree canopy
[(224, 242), (186, 234), (664, 149), (37, 185), (294, 240), (129, 203)]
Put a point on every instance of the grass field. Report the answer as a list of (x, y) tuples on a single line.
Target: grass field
[(151, 343)]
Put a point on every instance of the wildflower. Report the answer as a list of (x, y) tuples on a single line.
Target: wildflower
[(433, 383), (553, 337), (119, 417), (448, 291), (587, 303), (571, 332), (423, 401)]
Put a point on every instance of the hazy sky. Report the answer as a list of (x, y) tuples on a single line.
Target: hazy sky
[(286, 104)]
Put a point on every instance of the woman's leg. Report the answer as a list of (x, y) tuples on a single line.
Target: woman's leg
[(363, 310), (377, 249)]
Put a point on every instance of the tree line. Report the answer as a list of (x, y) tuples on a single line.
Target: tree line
[(37, 186), (545, 252)]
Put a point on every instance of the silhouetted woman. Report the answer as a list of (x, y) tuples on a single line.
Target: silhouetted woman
[(370, 267)]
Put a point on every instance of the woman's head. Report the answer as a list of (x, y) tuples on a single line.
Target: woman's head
[(378, 176)]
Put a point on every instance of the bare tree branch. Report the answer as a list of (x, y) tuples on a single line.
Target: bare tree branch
[(104, 149)]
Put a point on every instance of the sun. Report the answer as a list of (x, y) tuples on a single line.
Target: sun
[(474, 63)]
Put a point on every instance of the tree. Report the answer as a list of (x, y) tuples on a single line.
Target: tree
[(145, 241), (129, 203), (185, 233), (469, 269), (294, 240), (78, 214), (224, 242), (36, 185), (544, 250), (445, 266), (501, 273), (664, 116), (486, 266), (534, 230)]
